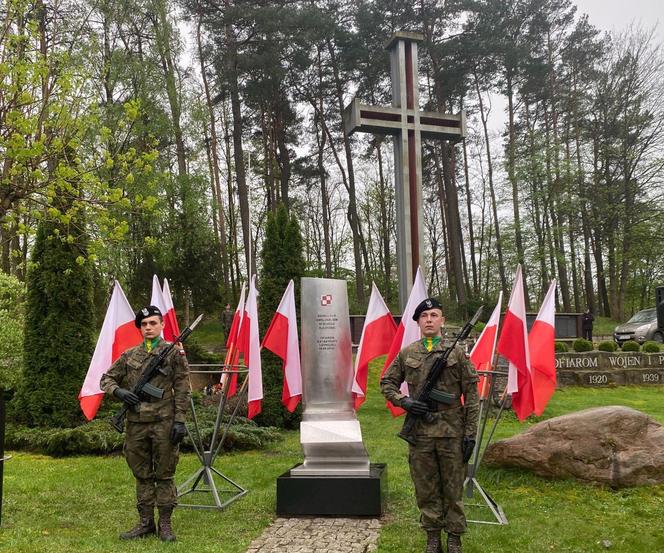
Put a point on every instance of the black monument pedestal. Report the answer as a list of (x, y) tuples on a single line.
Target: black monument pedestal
[(333, 495)]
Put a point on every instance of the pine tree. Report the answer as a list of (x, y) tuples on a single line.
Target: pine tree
[(282, 260), (59, 331)]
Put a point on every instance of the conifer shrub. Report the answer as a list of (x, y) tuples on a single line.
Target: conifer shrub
[(581, 345), (282, 260), (196, 353), (607, 345), (96, 437), (651, 347), (99, 438), (561, 347), (631, 345), (242, 434), (59, 329)]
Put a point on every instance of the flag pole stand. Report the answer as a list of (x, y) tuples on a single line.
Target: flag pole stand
[(471, 483), (204, 479)]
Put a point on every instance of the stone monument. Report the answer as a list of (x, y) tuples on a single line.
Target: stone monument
[(336, 477)]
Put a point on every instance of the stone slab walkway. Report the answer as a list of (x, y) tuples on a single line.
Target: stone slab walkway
[(318, 535)]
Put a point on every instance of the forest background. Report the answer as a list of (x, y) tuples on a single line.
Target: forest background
[(153, 136)]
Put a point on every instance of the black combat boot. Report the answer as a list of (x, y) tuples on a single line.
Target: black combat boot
[(165, 530), (145, 526), (433, 542), (453, 543)]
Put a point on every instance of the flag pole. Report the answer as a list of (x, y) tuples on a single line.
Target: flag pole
[(249, 253)]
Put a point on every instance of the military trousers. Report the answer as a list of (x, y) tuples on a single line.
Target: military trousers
[(152, 459), (438, 473)]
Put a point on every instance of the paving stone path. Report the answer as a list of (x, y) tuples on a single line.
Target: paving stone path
[(318, 535)]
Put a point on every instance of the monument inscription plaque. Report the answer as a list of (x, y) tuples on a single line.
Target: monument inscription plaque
[(336, 477), (330, 433)]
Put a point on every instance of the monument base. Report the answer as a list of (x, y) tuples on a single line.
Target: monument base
[(333, 495)]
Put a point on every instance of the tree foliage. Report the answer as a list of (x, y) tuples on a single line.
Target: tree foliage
[(12, 317)]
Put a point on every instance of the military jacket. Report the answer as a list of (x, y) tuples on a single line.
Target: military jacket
[(173, 378), (412, 365)]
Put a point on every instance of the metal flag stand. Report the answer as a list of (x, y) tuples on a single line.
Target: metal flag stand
[(203, 479), (471, 484)]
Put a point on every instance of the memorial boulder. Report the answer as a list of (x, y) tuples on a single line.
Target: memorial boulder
[(612, 445)]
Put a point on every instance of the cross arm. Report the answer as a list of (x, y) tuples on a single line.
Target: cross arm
[(374, 119), (443, 126), (394, 120)]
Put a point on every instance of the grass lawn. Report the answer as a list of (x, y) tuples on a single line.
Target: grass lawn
[(603, 326), (80, 504), (210, 334)]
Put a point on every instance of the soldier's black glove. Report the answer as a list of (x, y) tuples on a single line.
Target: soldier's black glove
[(468, 446), (126, 396), (414, 406), (178, 431)]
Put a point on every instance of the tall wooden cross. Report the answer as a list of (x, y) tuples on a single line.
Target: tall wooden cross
[(408, 125)]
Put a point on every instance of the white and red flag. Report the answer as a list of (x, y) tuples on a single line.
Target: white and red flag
[(407, 332), (171, 327), (157, 299), (377, 335), (232, 351), (250, 346), (484, 349), (281, 339), (513, 345), (231, 339), (118, 333), (541, 342)]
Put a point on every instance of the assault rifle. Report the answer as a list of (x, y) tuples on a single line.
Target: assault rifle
[(427, 393), (143, 386)]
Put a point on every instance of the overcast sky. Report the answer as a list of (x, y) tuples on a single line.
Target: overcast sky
[(616, 15)]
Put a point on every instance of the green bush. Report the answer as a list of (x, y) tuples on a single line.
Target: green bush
[(93, 438), (651, 347), (631, 345), (580, 345), (607, 345), (282, 260), (12, 317), (98, 437), (196, 353), (243, 433), (59, 328), (561, 347)]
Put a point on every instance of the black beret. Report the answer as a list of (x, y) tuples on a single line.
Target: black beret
[(148, 311), (429, 303)]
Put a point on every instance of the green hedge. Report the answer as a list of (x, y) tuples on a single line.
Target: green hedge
[(92, 438), (98, 437), (631, 345), (582, 345), (561, 347), (607, 345), (651, 347)]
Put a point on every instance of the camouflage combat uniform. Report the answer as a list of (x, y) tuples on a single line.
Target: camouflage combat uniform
[(436, 464), (150, 454)]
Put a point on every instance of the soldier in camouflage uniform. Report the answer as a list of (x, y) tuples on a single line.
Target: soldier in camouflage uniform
[(445, 432), (155, 427)]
